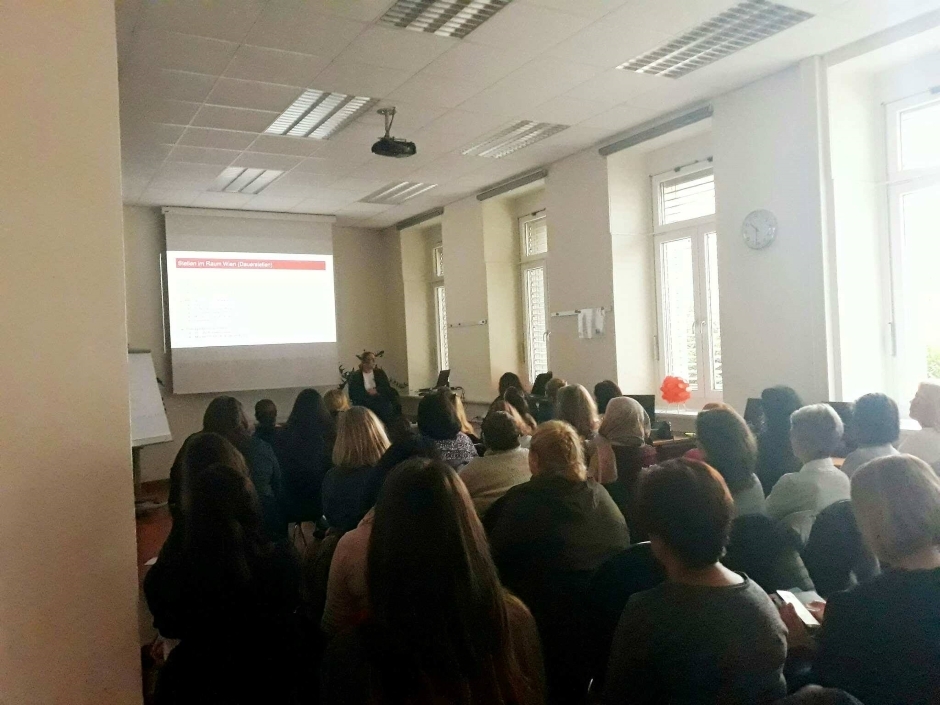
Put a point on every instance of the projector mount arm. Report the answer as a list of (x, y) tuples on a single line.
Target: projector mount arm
[(389, 115)]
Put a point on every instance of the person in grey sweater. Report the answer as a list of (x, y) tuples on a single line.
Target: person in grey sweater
[(707, 634), (504, 465)]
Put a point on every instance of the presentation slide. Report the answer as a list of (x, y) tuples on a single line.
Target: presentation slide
[(221, 299)]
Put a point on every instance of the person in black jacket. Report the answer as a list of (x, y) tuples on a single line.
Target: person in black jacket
[(369, 387), (304, 450), (775, 456), (227, 593), (880, 641)]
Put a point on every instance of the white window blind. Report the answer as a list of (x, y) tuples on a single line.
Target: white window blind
[(535, 307), (535, 237), (687, 197), (440, 310)]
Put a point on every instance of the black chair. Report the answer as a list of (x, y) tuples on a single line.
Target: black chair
[(630, 571), (835, 554), (814, 695), (768, 552)]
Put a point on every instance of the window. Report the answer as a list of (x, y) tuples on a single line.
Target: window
[(686, 247), (914, 174), (533, 230), (440, 314), (440, 306)]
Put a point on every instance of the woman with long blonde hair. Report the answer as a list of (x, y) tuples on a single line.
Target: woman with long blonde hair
[(360, 442)]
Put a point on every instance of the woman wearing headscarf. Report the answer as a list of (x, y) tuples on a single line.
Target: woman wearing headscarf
[(621, 451), (925, 410)]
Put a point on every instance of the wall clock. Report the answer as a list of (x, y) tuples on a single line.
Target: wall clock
[(760, 229)]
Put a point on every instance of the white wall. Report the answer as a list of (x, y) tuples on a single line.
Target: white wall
[(465, 284), (419, 317), (68, 593), (580, 267), (861, 233), (775, 323), (503, 296), (364, 272)]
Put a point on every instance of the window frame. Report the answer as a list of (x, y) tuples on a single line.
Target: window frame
[(908, 366), (697, 230), (526, 263)]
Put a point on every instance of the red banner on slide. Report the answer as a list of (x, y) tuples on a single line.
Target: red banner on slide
[(263, 264)]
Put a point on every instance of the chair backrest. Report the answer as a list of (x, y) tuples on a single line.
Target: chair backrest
[(814, 695), (768, 552), (835, 554), (633, 570)]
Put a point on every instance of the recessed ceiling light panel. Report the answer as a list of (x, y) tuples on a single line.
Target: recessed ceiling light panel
[(446, 18), (237, 179), (517, 136), (319, 114), (734, 29), (397, 193)]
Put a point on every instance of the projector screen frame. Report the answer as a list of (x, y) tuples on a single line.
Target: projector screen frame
[(324, 370)]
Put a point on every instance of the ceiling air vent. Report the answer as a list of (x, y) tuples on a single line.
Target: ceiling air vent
[(319, 114), (733, 30), (446, 18), (515, 137), (236, 179), (397, 193)]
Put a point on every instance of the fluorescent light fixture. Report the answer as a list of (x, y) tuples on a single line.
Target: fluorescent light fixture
[(446, 18), (734, 29), (397, 193), (319, 114), (517, 136), (237, 179)]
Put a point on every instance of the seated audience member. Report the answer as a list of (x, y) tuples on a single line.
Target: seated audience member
[(925, 410), (880, 641), (510, 380), (465, 426), (504, 465), (346, 598), (816, 432), (369, 387), (336, 400), (877, 425), (525, 429), (441, 629), (199, 451), (226, 416), (558, 520), (545, 410), (360, 442), (517, 398), (266, 420), (621, 441), (400, 429), (706, 635), (575, 406), (730, 448), (604, 392), (548, 537), (437, 421), (774, 451), (304, 448), (228, 594)]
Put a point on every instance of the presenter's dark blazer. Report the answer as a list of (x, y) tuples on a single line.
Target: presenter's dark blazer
[(357, 388)]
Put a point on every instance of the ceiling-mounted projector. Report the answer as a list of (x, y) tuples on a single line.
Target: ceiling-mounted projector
[(389, 146)]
